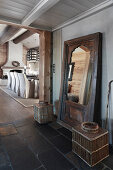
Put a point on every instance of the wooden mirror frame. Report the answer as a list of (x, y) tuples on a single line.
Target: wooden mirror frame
[(91, 111)]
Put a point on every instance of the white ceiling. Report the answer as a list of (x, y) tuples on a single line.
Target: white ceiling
[(2, 27), (46, 13), (16, 9), (32, 41), (63, 11)]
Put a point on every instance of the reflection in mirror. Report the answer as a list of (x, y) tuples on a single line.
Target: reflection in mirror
[(79, 76), (70, 73)]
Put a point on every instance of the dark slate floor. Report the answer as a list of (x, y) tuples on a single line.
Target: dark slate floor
[(40, 147)]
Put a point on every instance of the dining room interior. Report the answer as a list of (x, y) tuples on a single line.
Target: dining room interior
[(20, 64)]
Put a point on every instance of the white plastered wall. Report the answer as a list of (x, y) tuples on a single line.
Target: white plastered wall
[(15, 53), (57, 46), (100, 22)]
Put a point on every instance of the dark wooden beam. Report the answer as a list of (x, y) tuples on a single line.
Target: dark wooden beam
[(23, 36), (9, 32)]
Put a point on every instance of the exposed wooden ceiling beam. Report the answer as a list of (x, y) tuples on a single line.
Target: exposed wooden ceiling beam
[(8, 33), (38, 10), (35, 30), (23, 36)]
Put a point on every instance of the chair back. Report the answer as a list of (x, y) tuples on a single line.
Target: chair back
[(26, 86), (9, 80), (17, 83), (22, 84), (13, 81)]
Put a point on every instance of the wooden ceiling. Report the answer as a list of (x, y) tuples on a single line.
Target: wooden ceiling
[(44, 14), (63, 11), (16, 9)]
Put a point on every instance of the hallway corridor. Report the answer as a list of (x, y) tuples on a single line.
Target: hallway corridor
[(26, 145)]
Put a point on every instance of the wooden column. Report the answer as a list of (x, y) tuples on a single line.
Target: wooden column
[(1, 72), (44, 66), (3, 57)]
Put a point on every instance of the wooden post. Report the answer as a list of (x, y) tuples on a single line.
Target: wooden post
[(1, 72), (3, 57), (44, 66)]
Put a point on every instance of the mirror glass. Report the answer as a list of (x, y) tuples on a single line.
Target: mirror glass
[(79, 76)]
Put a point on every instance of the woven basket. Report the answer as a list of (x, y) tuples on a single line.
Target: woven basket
[(43, 113), (91, 147), (91, 158)]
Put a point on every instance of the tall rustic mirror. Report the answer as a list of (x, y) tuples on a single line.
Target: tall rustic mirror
[(78, 76), (81, 80)]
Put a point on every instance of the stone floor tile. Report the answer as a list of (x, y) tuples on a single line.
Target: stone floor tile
[(23, 160), (13, 142), (65, 132), (107, 168), (40, 168), (62, 143), (55, 125), (109, 161), (4, 161), (53, 160), (23, 122), (48, 132), (27, 130), (6, 168), (37, 144)]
